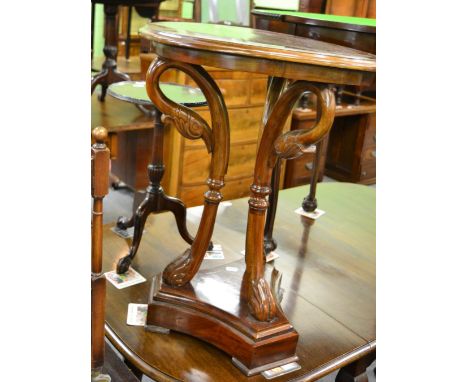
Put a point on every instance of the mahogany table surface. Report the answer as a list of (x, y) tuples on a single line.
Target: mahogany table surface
[(328, 270), (259, 51)]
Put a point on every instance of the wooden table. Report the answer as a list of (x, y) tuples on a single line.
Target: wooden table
[(256, 332), (109, 73), (328, 270)]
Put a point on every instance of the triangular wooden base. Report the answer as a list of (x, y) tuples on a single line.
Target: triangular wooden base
[(212, 308)]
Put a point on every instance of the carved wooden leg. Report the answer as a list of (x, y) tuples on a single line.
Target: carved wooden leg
[(310, 201), (273, 146), (177, 207), (192, 126), (124, 222), (140, 219), (109, 73), (156, 200)]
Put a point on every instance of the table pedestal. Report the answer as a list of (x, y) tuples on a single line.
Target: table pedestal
[(214, 309), (109, 73), (155, 201), (239, 312)]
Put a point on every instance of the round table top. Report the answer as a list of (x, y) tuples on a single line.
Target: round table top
[(250, 42), (135, 92)]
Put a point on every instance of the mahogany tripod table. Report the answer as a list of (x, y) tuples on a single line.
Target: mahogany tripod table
[(328, 270), (256, 333), (155, 200), (109, 73)]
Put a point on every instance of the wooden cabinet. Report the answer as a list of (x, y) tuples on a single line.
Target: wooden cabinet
[(349, 152), (352, 149)]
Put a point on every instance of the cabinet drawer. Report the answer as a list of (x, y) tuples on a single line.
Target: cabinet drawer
[(196, 163)]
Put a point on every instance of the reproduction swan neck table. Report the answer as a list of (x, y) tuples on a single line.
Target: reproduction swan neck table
[(257, 335)]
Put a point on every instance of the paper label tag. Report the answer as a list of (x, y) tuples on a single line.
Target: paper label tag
[(136, 314), (312, 215), (232, 269), (124, 233), (215, 254), (271, 256), (281, 370), (129, 278)]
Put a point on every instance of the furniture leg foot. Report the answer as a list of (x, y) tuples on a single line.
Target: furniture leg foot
[(124, 222), (309, 204), (261, 301), (140, 218), (269, 244), (178, 272)]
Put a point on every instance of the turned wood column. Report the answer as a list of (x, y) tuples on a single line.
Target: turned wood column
[(99, 188)]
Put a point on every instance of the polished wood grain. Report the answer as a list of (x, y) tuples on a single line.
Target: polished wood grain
[(328, 277), (99, 189), (257, 43)]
